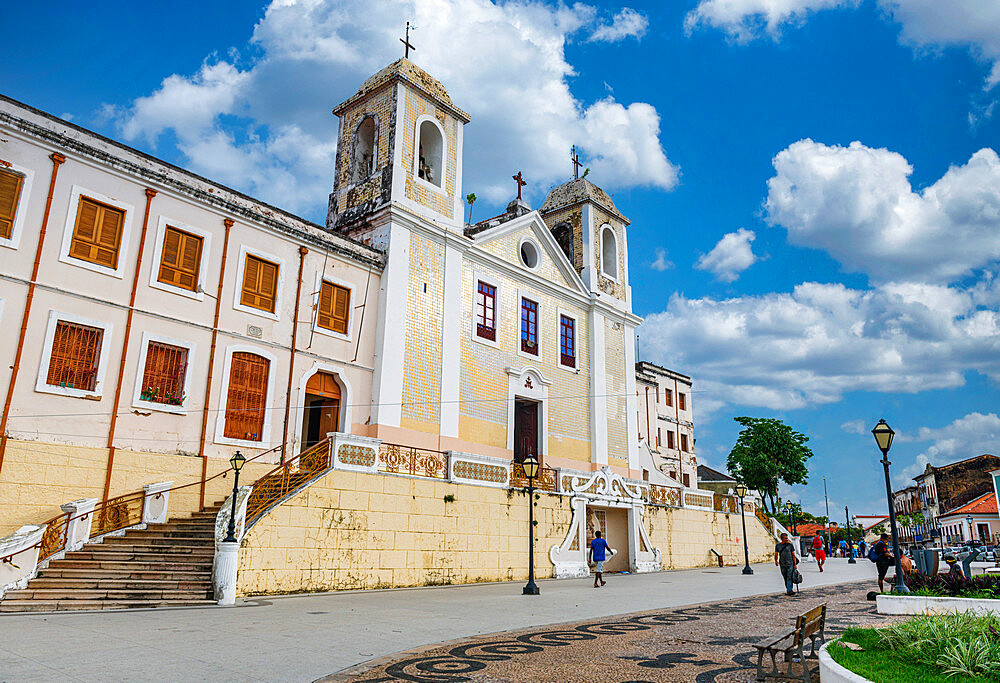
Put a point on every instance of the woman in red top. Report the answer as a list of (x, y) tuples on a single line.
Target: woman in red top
[(818, 551)]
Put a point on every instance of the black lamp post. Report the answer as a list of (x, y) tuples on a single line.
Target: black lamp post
[(850, 544), (972, 532), (741, 491), (883, 437), (790, 506), (530, 466), (237, 462)]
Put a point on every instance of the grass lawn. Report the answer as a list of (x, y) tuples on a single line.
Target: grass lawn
[(882, 665)]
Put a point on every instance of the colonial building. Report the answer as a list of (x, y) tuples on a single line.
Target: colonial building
[(976, 521), (393, 366), (944, 488)]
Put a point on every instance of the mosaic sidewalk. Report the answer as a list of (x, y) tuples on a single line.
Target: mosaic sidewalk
[(709, 643)]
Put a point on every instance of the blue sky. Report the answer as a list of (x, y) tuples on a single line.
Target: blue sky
[(814, 188)]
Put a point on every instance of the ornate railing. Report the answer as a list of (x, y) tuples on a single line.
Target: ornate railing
[(655, 494), (117, 513), (545, 481), (726, 504), (698, 499), (286, 478), (55, 536), (418, 462), (764, 519)]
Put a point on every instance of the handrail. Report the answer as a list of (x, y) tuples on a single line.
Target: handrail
[(281, 481), (714, 552), (394, 458), (110, 515)]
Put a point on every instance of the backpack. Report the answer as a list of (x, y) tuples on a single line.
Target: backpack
[(872, 555)]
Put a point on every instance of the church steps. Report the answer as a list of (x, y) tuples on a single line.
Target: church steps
[(72, 605), (161, 566)]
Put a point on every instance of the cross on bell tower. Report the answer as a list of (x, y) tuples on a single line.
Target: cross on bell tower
[(575, 158), (406, 42), (521, 182)]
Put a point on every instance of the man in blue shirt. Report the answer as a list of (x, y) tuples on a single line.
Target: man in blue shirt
[(598, 548)]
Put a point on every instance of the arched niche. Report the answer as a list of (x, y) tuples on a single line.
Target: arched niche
[(430, 151), (609, 252), (363, 148), (563, 235)]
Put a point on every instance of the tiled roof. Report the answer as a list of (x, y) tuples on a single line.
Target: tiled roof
[(576, 191), (408, 71), (706, 473), (985, 504)]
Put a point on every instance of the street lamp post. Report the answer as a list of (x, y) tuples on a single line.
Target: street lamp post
[(883, 437), (972, 532), (237, 463), (530, 466), (850, 544), (741, 491)]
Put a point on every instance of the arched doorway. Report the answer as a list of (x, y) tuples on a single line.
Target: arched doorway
[(321, 408)]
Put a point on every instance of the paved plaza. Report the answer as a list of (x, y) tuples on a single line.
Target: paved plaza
[(308, 637)]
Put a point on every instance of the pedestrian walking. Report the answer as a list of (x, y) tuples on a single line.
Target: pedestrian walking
[(818, 551), (883, 559), (597, 554), (785, 559), (843, 548), (861, 547)]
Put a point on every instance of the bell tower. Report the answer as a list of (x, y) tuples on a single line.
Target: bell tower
[(400, 142)]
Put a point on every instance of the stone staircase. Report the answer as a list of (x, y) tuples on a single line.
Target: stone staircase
[(166, 565)]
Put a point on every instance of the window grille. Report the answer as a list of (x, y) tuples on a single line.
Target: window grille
[(181, 259), (529, 326), (334, 307), (76, 352), (567, 341), (247, 401), (486, 302), (97, 234), (10, 195), (163, 376)]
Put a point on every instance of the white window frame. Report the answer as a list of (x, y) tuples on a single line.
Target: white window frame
[(478, 277), (279, 290), (539, 325), (14, 241), (140, 372), (74, 207), (576, 339), (614, 235), (206, 244), (220, 422), (320, 277), (41, 386), (416, 155), (528, 239)]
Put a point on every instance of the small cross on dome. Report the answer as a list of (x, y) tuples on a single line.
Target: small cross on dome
[(521, 182), (406, 42), (575, 158)]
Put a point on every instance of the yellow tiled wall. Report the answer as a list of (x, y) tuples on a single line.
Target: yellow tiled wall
[(422, 370), (417, 105), (614, 364)]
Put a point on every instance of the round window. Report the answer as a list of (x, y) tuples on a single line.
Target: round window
[(529, 253)]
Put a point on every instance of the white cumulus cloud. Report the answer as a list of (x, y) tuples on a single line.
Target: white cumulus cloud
[(627, 23), (504, 64), (747, 19), (856, 202), (966, 437), (731, 256), (661, 263)]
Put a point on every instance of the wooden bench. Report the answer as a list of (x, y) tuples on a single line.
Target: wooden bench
[(809, 626)]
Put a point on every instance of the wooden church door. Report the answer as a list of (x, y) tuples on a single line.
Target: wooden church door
[(525, 430)]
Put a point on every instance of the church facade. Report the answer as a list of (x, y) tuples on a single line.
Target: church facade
[(158, 322)]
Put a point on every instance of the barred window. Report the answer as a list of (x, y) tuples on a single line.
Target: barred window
[(567, 341), (163, 376), (334, 307), (97, 235), (529, 326), (486, 306), (76, 352), (246, 403)]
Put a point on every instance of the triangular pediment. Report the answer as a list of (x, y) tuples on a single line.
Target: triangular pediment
[(504, 242)]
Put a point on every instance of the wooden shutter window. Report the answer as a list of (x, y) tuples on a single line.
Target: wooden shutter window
[(334, 307), (163, 376), (260, 284), (76, 352), (97, 235), (10, 196), (246, 404), (181, 259)]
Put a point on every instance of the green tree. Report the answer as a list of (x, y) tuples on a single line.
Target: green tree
[(767, 452)]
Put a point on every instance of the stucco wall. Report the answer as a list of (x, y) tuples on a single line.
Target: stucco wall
[(350, 531)]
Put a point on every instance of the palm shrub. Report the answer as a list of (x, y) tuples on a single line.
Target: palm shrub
[(961, 644)]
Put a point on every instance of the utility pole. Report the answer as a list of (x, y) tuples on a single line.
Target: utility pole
[(829, 543)]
